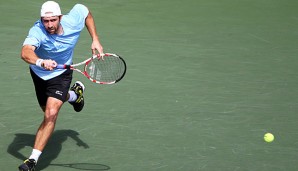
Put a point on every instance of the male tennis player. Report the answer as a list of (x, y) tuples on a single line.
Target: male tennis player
[(51, 41)]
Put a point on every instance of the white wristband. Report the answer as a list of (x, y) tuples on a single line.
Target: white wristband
[(38, 62)]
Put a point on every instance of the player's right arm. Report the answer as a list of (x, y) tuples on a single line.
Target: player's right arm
[(29, 56)]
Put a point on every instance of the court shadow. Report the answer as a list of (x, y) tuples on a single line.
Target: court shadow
[(84, 166), (52, 149)]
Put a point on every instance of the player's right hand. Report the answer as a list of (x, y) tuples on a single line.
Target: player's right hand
[(49, 64)]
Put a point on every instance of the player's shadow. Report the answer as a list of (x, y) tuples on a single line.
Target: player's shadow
[(52, 149)]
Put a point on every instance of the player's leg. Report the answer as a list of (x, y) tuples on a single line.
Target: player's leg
[(47, 126), (50, 94), (44, 133)]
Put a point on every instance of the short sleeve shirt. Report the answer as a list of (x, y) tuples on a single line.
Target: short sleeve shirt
[(57, 47)]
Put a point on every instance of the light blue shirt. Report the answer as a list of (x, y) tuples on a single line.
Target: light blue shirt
[(57, 47)]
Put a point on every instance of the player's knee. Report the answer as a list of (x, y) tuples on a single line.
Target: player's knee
[(51, 115)]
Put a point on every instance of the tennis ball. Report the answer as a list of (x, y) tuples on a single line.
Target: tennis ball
[(268, 137)]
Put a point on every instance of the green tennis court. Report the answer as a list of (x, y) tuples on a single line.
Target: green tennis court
[(206, 80)]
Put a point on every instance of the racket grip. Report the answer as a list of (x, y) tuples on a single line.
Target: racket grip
[(60, 66)]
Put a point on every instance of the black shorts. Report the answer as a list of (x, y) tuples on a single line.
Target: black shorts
[(56, 87)]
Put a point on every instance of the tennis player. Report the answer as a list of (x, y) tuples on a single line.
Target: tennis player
[(50, 41)]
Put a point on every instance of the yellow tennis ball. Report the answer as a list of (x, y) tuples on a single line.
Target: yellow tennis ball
[(268, 137)]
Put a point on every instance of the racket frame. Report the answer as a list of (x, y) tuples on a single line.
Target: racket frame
[(87, 61)]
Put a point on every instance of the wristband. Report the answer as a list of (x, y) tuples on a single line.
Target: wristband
[(38, 62)]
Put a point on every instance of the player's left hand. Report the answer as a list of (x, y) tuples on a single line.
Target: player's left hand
[(96, 47)]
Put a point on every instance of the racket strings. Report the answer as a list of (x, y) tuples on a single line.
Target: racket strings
[(107, 70)]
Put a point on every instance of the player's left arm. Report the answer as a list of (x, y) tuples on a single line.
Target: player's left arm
[(90, 24)]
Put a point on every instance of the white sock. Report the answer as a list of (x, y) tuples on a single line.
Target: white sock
[(72, 96), (35, 154)]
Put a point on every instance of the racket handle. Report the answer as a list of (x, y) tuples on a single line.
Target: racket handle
[(61, 66)]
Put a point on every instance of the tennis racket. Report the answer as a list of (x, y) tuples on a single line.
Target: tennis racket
[(107, 69)]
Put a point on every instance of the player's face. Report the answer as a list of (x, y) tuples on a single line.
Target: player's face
[(51, 24)]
